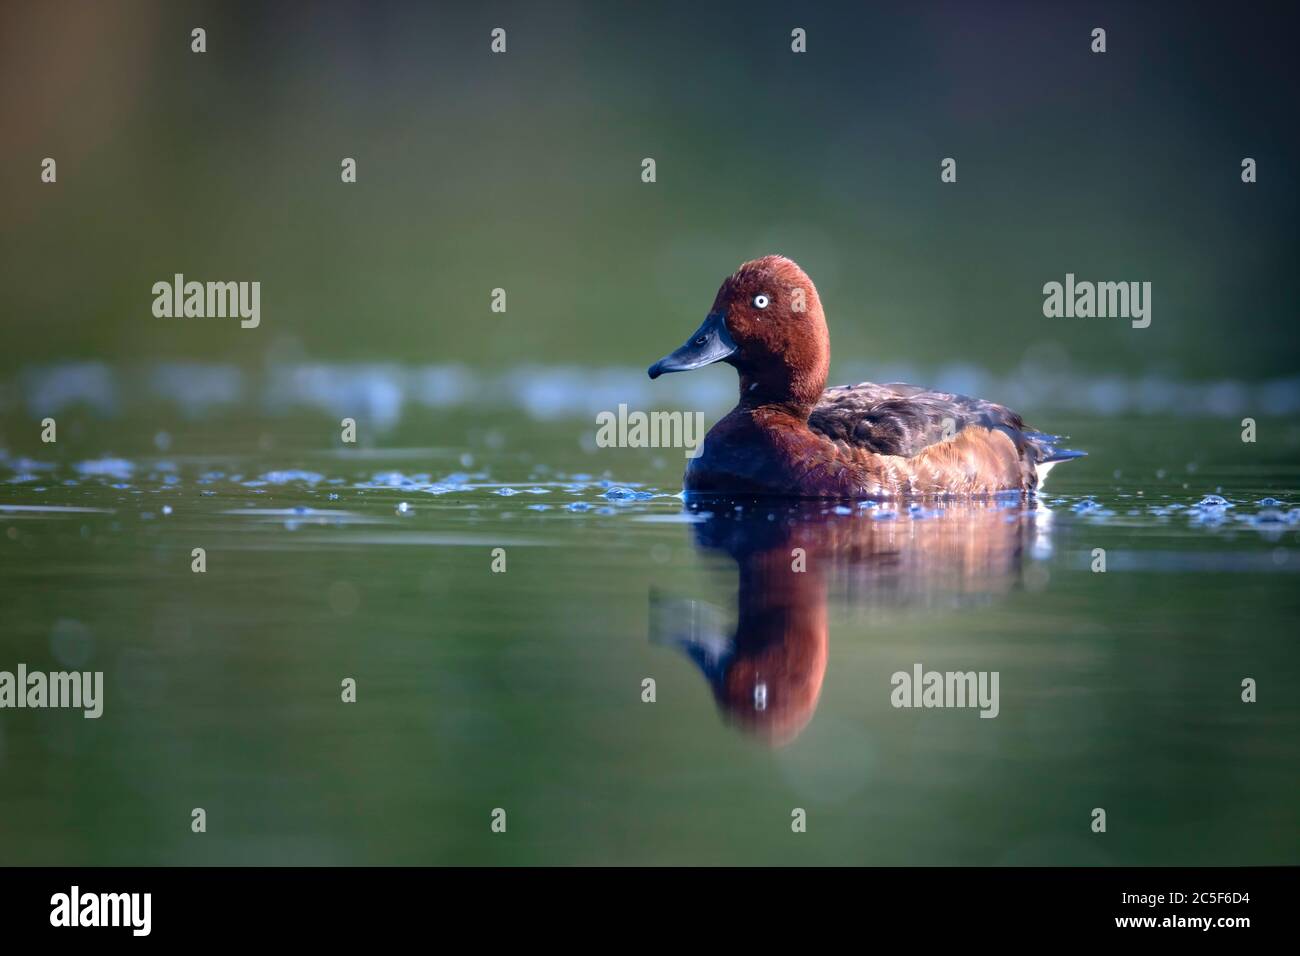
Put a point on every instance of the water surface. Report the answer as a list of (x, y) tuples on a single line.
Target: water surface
[(523, 689)]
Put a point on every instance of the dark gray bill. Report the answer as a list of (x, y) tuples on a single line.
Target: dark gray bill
[(710, 343)]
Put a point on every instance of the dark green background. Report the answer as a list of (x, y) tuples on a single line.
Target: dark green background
[(522, 171)]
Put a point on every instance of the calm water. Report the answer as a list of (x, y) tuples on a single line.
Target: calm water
[(523, 690)]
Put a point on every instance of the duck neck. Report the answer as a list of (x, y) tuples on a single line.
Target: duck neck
[(786, 391)]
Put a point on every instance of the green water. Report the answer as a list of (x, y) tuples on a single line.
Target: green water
[(523, 689)]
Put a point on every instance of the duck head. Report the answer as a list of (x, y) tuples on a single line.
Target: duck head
[(767, 322)]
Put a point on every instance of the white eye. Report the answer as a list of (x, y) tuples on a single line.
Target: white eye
[(761, 301)]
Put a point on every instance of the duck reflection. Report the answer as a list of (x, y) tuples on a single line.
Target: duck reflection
[(767, 674)]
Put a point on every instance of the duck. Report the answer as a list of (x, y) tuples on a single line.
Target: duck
[(791, 436)]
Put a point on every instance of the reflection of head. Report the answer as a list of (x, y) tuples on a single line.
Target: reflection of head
[(767, 677), (770, 684)]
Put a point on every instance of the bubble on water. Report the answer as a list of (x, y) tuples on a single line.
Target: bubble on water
[(505, 492), (404, 509), (623, 493), (291, 475), (1268, 516), (71, 643), (1269, 503), (105, 467), (332, 496), (580, 506), (1086, 506), (539, 508), (1214, 501)]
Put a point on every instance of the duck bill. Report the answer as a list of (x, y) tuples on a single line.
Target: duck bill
[(710, 343)]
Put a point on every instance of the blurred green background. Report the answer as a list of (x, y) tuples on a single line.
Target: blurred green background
[(522, 171)]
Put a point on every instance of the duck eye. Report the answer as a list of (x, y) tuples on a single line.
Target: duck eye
[(761, 301)]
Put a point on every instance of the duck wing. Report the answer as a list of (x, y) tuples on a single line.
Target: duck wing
[(904, 420)]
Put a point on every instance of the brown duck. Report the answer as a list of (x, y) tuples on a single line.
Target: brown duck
[(791, 436)]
